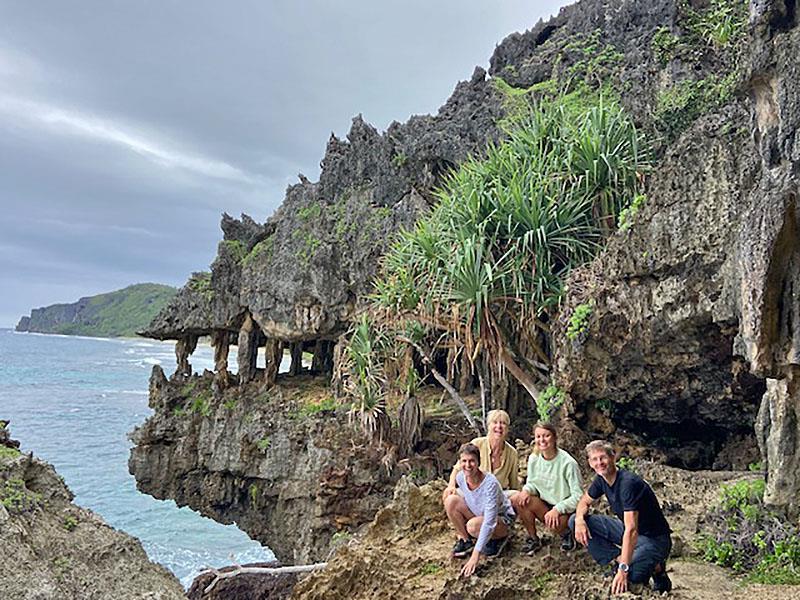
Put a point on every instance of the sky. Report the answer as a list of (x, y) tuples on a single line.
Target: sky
[(128, 127)]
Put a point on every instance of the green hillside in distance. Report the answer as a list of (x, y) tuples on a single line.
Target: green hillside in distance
[(114, 314)]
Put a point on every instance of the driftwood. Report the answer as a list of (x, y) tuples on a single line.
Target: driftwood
[(219, 575)]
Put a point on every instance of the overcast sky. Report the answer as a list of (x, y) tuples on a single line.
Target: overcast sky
[(127, 128)]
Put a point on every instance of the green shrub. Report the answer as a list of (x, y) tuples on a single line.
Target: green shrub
[(548, 403), (431, 568), (264, 443), (16, 498), (235, 248), (743, 534), (312, 212), (626, 462), (579, 321), (6, 452), (628, 214), (262, 251), (70, 523)]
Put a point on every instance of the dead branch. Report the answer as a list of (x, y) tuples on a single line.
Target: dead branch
[(443, 382)]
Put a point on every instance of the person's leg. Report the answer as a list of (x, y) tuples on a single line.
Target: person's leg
[(649, 552), (605, 537), (528, 513), (458, 514), (474, 528)]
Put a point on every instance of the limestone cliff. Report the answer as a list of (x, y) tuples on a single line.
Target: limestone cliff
[(687, 322), (281, 462), (51, 548), (694, 310)]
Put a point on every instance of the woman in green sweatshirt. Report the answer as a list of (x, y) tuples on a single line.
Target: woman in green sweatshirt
[(551, 492)]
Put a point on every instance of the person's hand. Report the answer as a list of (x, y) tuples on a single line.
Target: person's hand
[(620, 583), (470, 566), (552, 518), (523, 498), (448, 491), (582, 533)]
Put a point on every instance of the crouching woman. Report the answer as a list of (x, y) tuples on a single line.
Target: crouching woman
[(551, 491), (484, 512)]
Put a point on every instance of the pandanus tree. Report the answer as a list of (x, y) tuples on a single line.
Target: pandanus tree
[(484, 270)]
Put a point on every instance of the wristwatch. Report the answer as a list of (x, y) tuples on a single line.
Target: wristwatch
[(623, 567)]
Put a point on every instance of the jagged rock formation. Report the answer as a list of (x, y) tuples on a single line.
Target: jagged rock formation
[(257, 458), (278, 461), (405, 553), (118, 313), (694, 320), (693, 309), (294, 282), (50, 548)]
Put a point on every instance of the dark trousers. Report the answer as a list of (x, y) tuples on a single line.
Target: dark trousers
[(605, 543)]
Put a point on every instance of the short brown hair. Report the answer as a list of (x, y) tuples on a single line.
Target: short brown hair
[(470, 448), (600, 446)]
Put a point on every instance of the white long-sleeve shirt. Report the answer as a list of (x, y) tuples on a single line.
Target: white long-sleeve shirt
[(488, 501)]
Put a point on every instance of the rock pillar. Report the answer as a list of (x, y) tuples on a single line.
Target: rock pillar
[(183, 350), (296, 348), (273, 352), (778, 433), (248, 350), (323, 357), (221, 342)]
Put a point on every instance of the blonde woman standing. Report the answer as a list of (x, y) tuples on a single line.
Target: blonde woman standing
[(498, 457)]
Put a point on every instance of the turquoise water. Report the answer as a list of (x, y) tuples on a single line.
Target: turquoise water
[(72, 401)]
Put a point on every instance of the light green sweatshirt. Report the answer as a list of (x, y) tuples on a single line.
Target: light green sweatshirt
[(556, 481)]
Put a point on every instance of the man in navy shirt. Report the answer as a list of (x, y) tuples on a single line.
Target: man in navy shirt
[(638, 540)]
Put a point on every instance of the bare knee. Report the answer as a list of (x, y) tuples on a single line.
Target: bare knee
[(453, 503), (474, 526)]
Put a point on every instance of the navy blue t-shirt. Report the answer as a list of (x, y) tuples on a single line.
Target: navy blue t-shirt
[(631, 493)]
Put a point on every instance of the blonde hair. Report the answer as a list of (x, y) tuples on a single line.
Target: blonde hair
[(600, 446), (497, 414)]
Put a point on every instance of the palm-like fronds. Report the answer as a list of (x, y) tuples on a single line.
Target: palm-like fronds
[(510, 226)]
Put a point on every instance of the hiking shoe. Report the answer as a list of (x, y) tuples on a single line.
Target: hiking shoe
[(568, 543), (661, 581), (463, 548), (495, 546), (531, 545)]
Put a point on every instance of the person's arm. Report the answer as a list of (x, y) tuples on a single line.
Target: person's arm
[(451, 484), (513, 479), (573, 477), (629, 539), (581, 531), (529, 489), (487, 529)]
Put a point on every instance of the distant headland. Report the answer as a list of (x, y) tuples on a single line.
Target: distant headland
[(120, 313)]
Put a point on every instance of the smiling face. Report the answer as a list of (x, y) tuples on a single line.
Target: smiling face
[(602, 464), (469, 463), (498, 428), (544, 439)]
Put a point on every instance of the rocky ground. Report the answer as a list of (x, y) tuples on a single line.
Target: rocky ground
[(404, 553), (51, 548)]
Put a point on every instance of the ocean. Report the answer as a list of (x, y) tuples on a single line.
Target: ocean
[(72, 401)]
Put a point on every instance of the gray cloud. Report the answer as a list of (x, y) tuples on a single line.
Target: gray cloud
[(126, 128)]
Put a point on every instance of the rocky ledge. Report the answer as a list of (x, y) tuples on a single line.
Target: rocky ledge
[(51, 548), (282, 462), (405, 553)]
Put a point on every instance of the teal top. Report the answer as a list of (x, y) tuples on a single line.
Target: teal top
[(556, 481)]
